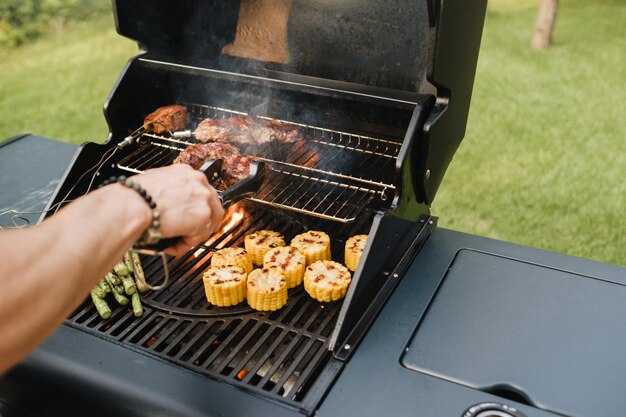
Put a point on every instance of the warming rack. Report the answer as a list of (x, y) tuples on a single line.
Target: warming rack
[(331, 174)]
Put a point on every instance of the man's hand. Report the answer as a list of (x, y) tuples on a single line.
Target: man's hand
[(189, 206)]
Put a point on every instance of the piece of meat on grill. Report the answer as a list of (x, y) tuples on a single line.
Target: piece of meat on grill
[(246, 130), (235, 166), (166, 119), (284, 132), (196, 154)]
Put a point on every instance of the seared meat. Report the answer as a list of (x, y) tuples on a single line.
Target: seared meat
[(234, 168), (283, 132), (166, 119), (196, 154), (213, 130), (246, 129)]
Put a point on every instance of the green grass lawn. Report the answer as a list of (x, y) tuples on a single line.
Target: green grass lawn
[(56, 86), (543, 162)]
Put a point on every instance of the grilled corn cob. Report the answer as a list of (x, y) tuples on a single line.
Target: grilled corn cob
[(232, 256), (267, 289), (314, 245), (288, 261), (258, 243), (225, 285), (354, 250), (326, 280)]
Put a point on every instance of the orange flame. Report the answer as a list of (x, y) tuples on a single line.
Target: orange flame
[(235, 219), (197, 253)]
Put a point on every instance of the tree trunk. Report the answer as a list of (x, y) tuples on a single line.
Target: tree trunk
[(544, 26)]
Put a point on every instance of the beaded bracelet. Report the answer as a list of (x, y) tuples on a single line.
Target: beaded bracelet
[(151, 235)]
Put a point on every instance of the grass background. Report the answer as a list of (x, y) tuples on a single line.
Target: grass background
[(543, 162)]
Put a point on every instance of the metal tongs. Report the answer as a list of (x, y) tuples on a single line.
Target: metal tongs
[(212, 168)]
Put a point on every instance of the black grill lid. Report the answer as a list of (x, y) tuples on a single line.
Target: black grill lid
[(425, 46), (377, 43)]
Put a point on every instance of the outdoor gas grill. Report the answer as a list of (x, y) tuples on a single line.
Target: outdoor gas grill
[(380, 92)]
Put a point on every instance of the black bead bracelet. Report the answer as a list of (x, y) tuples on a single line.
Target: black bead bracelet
[(151, 235)]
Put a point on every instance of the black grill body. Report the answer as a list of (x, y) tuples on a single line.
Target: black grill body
[(436, 322), (383, 112)]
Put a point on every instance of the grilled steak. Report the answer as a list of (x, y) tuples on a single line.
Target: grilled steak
[(246, 129), (235, 166), (166, 119), (196, 154)]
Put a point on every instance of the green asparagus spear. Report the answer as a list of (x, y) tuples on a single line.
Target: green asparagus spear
[(136, 302), (104, 285), (117, 293), (129, 285), (120, 269), (129, 262), (98, 291), (113, 279), (140, 278), (120, 298), (101, 306), (141, 285)]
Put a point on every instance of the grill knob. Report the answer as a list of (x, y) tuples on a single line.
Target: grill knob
[(492, 410), (493, 413)]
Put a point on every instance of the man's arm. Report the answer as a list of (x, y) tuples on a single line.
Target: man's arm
[(47, 270)]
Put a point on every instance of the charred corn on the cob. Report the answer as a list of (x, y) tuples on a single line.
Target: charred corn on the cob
[(267, 290)]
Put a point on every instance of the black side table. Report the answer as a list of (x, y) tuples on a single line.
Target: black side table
[(30, 169)]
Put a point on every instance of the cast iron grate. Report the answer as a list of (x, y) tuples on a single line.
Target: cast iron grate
[(275, 354)]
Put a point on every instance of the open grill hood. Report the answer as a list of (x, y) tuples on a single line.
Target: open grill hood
[(371, 43), (376, 48)]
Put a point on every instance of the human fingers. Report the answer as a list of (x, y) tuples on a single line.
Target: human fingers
[(209, 225), (189, 206), (170, 180), (188, 242), (217, 210), (180, 248), (204, 220)]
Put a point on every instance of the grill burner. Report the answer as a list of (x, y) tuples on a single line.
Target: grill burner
[(279, 354), (333, 175)]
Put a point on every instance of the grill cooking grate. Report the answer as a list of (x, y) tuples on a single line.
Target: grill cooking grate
[(277, 355), (306, 194), (331, 174)]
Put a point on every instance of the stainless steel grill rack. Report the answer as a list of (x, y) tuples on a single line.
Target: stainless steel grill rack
[(330, 174)]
